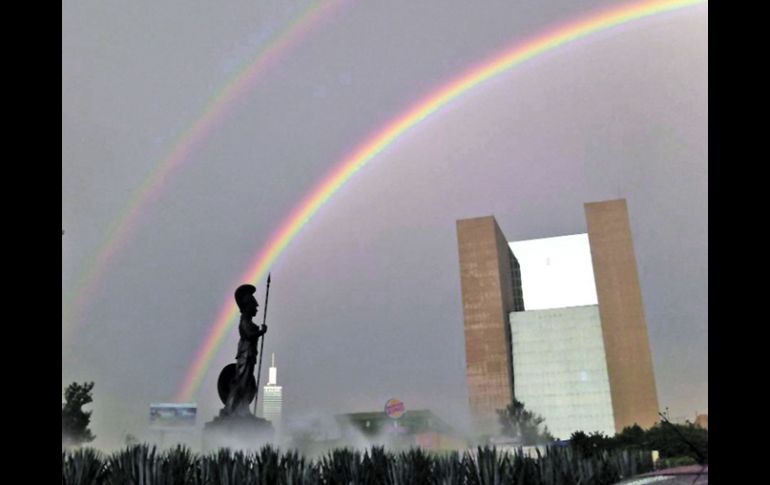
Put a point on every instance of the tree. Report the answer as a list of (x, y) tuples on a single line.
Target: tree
[(673, 441), (631, 437), (679, 440), (75, 421), (590, 444), (517, 422)]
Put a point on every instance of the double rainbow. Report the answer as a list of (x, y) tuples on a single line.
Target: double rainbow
[(215, 111), (384, 137)]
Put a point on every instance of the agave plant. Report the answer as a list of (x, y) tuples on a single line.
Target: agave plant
[(177, 466), (267, 465), (143, 465), (84, 466), (448, 469), (295, 471), (560, 466), (226, 467), (413, 466), (341, 466), (135, 465), (375, 466), (490, 467)]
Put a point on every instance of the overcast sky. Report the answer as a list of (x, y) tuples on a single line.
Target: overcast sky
[(365, 302)]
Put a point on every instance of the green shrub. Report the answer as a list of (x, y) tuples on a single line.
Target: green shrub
[(676, 461)]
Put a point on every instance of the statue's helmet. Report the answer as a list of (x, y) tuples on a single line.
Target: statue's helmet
[(243, 295)]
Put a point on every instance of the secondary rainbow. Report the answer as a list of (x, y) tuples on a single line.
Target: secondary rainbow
[(365, 152), (215, 111)]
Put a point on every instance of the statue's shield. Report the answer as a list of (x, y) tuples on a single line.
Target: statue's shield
[(226, 379)]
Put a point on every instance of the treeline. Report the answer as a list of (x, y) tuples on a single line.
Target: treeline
[(678, 444)]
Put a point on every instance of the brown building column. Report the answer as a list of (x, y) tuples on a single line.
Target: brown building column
[(626, 344), (491, 289)]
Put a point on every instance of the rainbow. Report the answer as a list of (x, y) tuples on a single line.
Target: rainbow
[(365, 152), (215, 111)]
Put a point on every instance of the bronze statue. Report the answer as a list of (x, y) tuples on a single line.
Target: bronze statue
[(237, 386)]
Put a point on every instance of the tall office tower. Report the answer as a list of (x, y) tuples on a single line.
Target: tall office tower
[(629, 362), (272, 398), (581, 356), (491, 289)]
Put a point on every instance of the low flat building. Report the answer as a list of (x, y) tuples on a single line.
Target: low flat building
[(415, 428)]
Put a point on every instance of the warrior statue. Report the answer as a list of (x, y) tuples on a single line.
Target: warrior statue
[(237, 383)]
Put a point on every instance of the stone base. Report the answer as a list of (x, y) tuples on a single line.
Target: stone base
[(237, 432)]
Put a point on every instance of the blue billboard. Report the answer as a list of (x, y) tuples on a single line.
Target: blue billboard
[(172, 415)]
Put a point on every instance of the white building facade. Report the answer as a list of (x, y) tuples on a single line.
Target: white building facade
[(560, 369), (559, 361)]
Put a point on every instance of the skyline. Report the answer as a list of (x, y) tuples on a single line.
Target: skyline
[(155, 255)]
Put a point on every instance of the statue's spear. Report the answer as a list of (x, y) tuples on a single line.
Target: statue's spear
[(262, 345)]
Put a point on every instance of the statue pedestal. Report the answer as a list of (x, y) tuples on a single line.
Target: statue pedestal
[(246, 432)]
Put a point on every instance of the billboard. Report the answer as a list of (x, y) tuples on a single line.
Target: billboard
[(172, 415)]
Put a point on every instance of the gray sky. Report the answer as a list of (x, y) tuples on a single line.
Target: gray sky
[(365, 303)]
